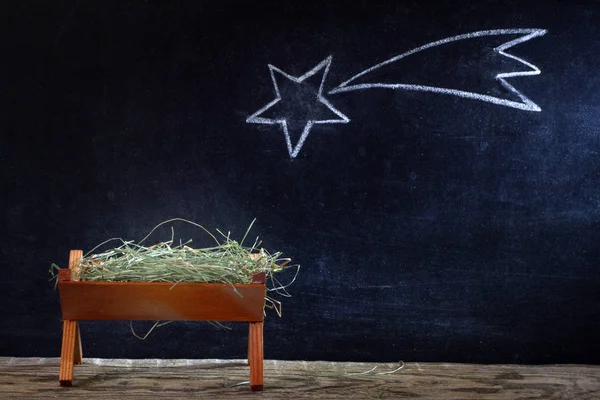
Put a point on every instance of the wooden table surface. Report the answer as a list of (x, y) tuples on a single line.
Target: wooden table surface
[(37, 378)]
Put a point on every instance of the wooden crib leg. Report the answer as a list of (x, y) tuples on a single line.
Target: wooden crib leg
[(68, 353), (78, 356), (71, 341), (255, 356)]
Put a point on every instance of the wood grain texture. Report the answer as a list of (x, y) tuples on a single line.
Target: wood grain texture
[(69, 341), (74, 257), (161, 301), (78, 357), (182, 379), (255, 356)]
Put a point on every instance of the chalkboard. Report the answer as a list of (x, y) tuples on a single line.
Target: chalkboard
[(433, 167)]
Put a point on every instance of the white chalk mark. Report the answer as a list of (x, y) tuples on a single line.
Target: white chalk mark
[(526, 104), (256, 118)]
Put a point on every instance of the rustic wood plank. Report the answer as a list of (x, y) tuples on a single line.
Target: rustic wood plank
[(34, 378)]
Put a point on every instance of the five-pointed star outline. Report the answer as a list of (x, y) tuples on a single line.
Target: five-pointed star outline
[(257, 119)]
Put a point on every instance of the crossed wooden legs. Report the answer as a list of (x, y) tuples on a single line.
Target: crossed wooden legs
[(71, 352), (71, 340), (255, 356)]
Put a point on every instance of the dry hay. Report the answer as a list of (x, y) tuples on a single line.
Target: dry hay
[(228, 261)]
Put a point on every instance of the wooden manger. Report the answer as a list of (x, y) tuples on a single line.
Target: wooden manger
[(158, 301)]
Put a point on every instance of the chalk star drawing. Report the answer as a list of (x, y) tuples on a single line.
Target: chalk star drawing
[(307, 101), (308, 110)]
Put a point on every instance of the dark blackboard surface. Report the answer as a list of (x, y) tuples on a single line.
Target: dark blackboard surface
[(430, 227)]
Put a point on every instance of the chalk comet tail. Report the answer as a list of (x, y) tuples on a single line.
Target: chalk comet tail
[(525, 104)]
